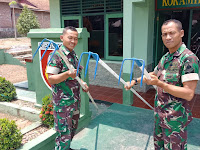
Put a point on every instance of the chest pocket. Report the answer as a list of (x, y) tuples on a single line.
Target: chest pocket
[(65, 68), (172, 74)]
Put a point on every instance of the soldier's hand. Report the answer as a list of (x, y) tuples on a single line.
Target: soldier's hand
[(72, 74), (128, 85), (153, 81), (86, 87)]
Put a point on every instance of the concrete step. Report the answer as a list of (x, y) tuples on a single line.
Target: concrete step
[(31, 127), (17, 52), (20, 111), (23, 62), (20, 53), (22, 57)]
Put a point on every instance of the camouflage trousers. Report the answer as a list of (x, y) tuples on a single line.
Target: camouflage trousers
[(66, 123), (170, 139)]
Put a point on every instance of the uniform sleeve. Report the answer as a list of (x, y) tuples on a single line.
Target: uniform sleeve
[(54, 66), (190, 69), (156, 70), (160, 63)]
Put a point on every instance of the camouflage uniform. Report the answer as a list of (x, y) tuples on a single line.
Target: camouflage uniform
[(173, 114), (66, 100)]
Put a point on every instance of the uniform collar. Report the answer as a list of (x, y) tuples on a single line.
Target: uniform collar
[(66, 51), (169, 57), (180, 50)]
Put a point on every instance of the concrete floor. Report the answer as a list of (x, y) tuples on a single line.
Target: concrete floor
[(123, 127)]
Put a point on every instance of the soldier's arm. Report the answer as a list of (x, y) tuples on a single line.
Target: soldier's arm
[(86, 86), (129, 85), (186, 92), (189, 80), (54, 68), (57, 78)]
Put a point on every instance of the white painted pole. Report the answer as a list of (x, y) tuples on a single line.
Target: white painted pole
[(71, 68), (117, 76)]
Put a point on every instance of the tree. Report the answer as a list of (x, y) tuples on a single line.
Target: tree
[(26, 21), (12, 5)]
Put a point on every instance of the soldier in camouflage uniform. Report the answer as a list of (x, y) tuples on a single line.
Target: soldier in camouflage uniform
[(176, 78), (65, 90)]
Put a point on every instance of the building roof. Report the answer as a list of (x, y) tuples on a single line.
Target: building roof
[(5, 1), (32, 4), (40, 4)]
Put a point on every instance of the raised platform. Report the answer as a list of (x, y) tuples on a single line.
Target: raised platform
[(126, 128)]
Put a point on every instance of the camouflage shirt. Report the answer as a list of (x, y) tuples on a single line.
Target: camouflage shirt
[(176, 68), (68, 91)]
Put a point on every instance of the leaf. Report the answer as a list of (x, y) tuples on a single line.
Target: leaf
[(13, 3)]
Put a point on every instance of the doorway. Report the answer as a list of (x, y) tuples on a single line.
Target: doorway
[(95, 26), (195, 33), (182, 16), (114, 36)]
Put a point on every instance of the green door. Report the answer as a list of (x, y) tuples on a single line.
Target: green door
[(114, 37)]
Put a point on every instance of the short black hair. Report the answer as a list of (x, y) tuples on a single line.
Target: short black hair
[(69, 28), (177, 22)]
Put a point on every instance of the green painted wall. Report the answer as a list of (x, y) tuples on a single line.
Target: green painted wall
[(138, 30), (144, 31), (30, 76), (2, 57), (6, 58), (138, 36), (150, 39), (55, 16)]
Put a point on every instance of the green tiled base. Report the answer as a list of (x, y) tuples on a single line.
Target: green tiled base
[(126, 128)]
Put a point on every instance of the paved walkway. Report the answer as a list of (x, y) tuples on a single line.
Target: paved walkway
[(23, 93), (115, 95)]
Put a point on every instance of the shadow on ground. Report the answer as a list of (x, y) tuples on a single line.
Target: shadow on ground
[(123, 127)]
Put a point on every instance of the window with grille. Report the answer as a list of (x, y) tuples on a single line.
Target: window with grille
[(79, 7)]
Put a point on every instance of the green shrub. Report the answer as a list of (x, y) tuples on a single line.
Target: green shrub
[(10, 136), (26, 21), (46, 114), (7, 90)]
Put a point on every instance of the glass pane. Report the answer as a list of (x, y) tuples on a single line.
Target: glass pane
[(74, 23), (115, 36), (195, 34), (95, 26)]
